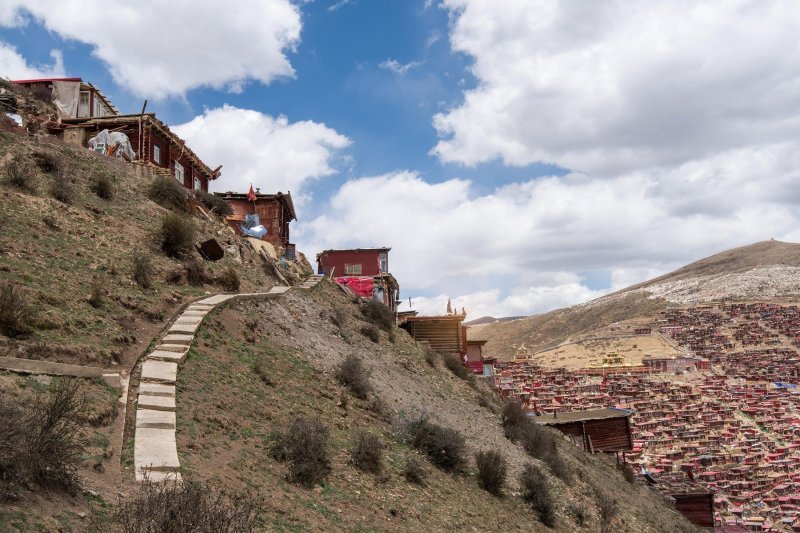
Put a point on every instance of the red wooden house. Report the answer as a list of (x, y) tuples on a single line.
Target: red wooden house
[(363, 270), (275, 212)]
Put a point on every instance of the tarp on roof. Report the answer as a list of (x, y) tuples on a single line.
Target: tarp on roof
[(65, 97), (361, 285)]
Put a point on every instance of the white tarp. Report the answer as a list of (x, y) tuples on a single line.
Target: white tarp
[(66, 95), (115, 140)]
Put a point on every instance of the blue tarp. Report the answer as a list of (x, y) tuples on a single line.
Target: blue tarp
[(252, 226), (782, 385)]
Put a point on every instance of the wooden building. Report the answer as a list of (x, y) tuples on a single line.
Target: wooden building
[(275, 212), (445, 334), (693, 499), (365, 271), (603, 430), (73, 97)]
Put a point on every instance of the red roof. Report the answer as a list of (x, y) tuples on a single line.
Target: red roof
[(41, 80)]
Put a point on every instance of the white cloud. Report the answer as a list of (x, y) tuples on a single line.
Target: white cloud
[(609, 87), (270, 152), (14, 66), (336, 6), (160, 49), (399, 68)]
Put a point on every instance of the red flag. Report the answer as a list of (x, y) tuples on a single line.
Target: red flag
[(251, 194)]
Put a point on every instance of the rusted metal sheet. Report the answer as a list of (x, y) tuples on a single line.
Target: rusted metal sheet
[(211, 250), (697, 508)]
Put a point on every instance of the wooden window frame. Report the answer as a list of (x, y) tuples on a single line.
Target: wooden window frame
[(351, 270)]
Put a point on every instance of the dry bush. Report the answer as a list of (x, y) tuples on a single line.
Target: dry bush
[(98, 295), (51, 222), (143, 271), (176, 235), (103, 187), (378, 406), (339, 317), (214, 203), (167, 192), (445, 447), (455, 365), (42, 443), (431, 356), (558, 465), (608, 509), (305, 447), (537, 493), (627, 472), (366, 453), (371, 332), (42, 93), (189, 506), (514, 419), (378, 314), (63, 190), (352, 374), (580, 513), (229, 280), (16, 316), (47, 162), (195, 271), (20, 174), (263, 370), (174, 276), (492, 471), (488, 401), (415, 471)]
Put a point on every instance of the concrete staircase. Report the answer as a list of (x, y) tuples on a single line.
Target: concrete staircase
[(155, 448)]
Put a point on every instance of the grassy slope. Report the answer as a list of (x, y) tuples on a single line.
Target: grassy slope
[(94, 237), (226, 415)]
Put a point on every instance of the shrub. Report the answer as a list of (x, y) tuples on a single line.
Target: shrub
[(229, 279), (378, 406), (339, 317), (16, 315), (514, 419), (580, 512), (63, 190), (445, 447), (558, 465), (536, 491), (352, 374), (378, 314), (47, 162), (103, 187), (366, 453), (167, 192), (98, 295), (431, 356), (176, 235), (371, 332), (492, 471), (214, 203), (414, 471), (41, 93), (143, 271), (608, 509), (188, 506), (454, 364), (305, 447), (42, 443), (195, 271), (627, 472), (19, 173), (263, 369)]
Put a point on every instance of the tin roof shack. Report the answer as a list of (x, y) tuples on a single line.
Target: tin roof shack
[(155, 145), (475, 355), (445, 334), (72, 96), (600, 430), (275, 212), (365, 271), (693, 499)]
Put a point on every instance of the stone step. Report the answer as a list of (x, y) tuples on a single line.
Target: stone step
[(157, 403), (159, 371), (163, 477), (279, 289), (160, 355), (195, 312), (155, 450), (216, 299), (189, 320), (180, 348), (151, 418), (178, 339), (184, 329), (156, 389)]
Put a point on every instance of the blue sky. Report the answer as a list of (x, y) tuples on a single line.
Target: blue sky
[(517, 156)]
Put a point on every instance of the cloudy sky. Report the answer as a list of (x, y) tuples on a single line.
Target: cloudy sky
[(517, 155)]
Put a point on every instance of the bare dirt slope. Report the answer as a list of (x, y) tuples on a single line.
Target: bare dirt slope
[(227, 416), (769, 269)]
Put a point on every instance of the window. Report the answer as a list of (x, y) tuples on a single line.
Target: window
[(156, 154), (197, 184), (83, 104), (352, 270), (383, 262), (179, 172)]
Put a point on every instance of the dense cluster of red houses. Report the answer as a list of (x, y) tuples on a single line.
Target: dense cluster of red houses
[(731, 429)]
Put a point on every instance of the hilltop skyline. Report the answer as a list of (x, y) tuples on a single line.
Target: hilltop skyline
[(517, 156)]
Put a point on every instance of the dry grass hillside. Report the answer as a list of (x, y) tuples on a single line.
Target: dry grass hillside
[(769, 269)]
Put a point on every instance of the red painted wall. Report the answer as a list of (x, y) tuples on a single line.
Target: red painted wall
[(336, 260), (272, 216)]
